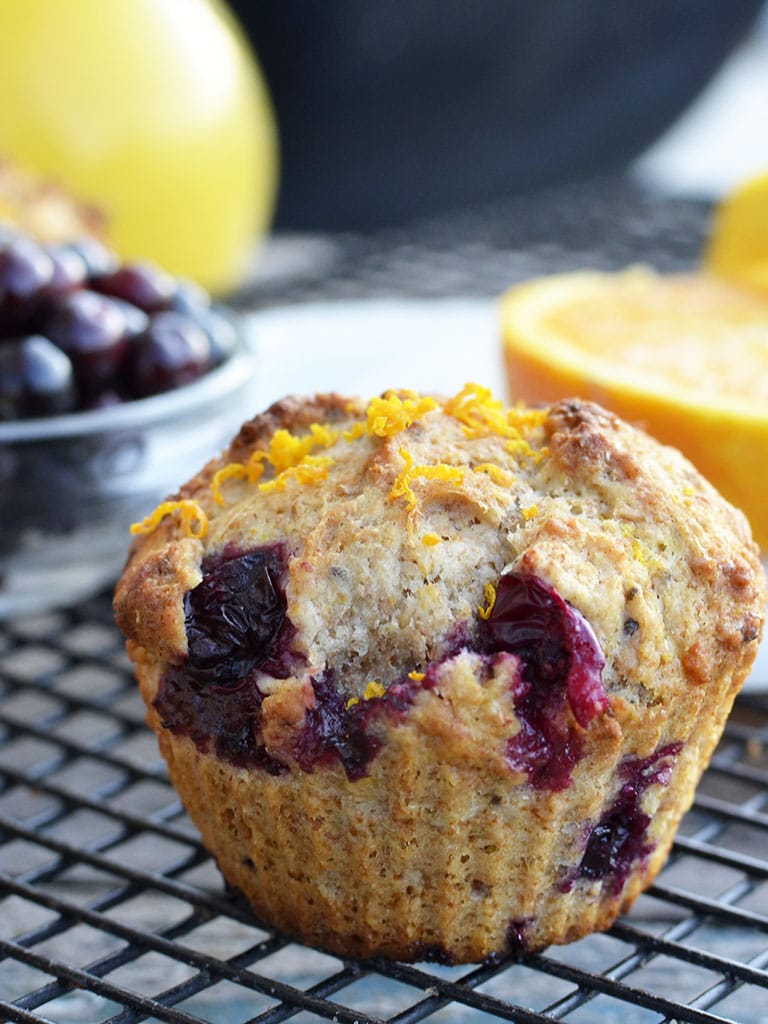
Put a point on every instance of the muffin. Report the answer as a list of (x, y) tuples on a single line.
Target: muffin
[(436, 678)]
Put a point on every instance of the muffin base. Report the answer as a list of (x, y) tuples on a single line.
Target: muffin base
[(437, 853)]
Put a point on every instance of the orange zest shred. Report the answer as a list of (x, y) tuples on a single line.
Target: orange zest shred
[(474, 407), (416, 676), (500, 476), (287, 449), (373, 689), (521, 448), (193, 517), (640, 552), (311, 469), (288, 454), (479, 412), (392, 414), (355, 431), (440, 471), (251, 471), (402, 488), (482, 415), (232, 471), (490, 597), (255, 465)]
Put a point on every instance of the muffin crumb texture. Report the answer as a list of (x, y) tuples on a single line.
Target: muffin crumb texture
[(434, 677)]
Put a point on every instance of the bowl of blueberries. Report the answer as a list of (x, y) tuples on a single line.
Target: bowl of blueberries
[(117, 382)]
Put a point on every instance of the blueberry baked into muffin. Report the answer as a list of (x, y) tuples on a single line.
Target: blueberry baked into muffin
[(435, 677)]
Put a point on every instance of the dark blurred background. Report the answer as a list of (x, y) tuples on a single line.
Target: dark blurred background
[(394, 109)]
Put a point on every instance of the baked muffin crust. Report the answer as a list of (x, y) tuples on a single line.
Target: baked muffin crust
[(389, 777)]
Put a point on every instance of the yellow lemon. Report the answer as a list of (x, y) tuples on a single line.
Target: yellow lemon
[(685, 356), (153, 110)]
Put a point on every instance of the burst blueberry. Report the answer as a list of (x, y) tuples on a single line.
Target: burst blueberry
[(235, 616), (236, 624), (561, 665)]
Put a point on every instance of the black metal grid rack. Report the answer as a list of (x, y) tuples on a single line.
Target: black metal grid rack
[(110, 909)]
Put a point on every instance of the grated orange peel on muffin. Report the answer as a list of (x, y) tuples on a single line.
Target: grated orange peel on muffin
[(437, 678)]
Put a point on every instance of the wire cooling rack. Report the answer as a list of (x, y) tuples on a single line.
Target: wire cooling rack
[(111, 910)]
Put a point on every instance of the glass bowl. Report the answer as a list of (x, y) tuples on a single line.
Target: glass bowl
[(70, 486)]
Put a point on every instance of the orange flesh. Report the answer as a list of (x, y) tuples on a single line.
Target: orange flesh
[(693, 331)]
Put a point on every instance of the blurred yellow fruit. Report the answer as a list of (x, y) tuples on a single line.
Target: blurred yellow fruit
[(155, 111), (685, 356), (738, 244)]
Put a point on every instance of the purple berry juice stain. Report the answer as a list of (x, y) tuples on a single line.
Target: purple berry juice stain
[(517, 934), (226, 724), (619, 839), (333, 730)]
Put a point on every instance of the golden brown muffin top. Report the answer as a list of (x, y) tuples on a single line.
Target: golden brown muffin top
[(398, 516)]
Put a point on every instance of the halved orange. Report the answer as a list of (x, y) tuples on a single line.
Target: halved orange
[(684, 356)]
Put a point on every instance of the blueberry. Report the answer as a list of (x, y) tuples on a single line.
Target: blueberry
[(236, 623), (69, 274), (36, 379), (25, 270), (98, 258), (69, 271), (107, 398), (91, 329), (171, 352), (141, 284), (189, 298), (220, 332), (330, 733), (136, 320), (128, 330), (229, 726)]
